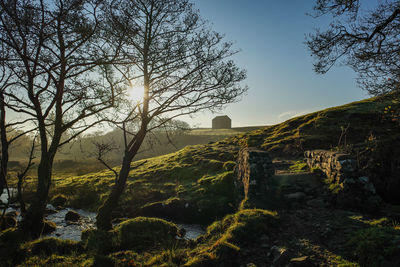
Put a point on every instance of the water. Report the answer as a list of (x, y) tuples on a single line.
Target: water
[(4, 195), (72, 230), (192, 230)]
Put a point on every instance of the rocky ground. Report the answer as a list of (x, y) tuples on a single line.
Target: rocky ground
[(312, 231)]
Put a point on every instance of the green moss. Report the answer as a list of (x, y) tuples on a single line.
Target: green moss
[(58, 261), (50, 245), (299, 166), (376, 246), (225, 238), (59, 200), (85, 197), (322, 129), (98, 241), (143, 233), (176, 176)]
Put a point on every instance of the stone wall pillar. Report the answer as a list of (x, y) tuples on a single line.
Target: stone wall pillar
[(254, 170)]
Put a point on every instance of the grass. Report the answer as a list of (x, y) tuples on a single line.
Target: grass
[(194, 184), (322, 129)]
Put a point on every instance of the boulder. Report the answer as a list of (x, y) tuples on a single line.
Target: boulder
[(72, 216), (48, 227), (8, 221), (59, 200)]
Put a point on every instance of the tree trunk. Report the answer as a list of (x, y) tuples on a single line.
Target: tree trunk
[(4, 145), (104, 214), (32, 223)]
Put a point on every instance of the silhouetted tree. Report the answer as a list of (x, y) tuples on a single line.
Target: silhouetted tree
[(57, 57), (182, 65), (364, 36)]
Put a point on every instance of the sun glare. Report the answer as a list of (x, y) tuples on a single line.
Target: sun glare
[(135, 93)]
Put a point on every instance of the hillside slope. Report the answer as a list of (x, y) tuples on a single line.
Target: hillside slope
[(323, 129)]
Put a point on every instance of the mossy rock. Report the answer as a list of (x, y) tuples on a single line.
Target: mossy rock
[(72, 216), (50, 245), (244, 226), (59, 200), (224, 239), (143, 233), (101, 242), (8, 221), (48, 227)]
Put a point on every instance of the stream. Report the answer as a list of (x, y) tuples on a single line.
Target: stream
[(72, 230)]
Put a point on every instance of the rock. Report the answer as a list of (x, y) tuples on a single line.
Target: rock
[(300, 262), (364, 179), (296, 196), (317, 203), (72, 216), (8, 221), (59, 200), (48, 227), (50, 211), (281, 256)]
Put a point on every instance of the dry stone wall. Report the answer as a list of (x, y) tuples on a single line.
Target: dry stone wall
[(254, 170), (352, 189)]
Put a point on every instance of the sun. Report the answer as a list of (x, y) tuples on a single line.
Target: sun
[(135, 93)]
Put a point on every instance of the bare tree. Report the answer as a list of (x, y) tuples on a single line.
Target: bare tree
[(58, 61), (181, 65), (363, 37)]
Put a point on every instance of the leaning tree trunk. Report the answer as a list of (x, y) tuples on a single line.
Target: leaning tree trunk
[(104, 214)]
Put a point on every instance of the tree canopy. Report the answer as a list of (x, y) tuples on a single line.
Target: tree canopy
[(364, 35)]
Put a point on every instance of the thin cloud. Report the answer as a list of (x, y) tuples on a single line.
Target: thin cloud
[(292, 114)]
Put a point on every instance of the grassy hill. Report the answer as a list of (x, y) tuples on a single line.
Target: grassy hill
[(323, 129), (195, 185)]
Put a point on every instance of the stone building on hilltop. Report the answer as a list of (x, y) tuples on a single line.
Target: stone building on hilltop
[(222, 122)]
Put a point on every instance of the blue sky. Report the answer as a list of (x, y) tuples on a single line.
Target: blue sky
[(282, 84)]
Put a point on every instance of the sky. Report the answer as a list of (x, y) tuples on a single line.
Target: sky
[(281, 80)]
